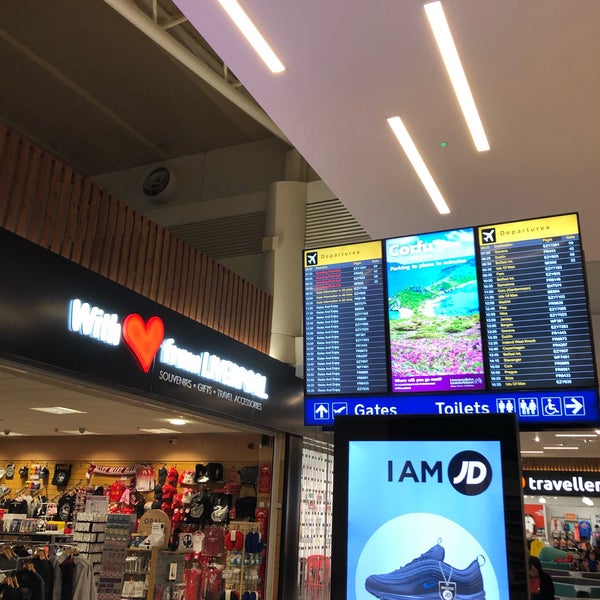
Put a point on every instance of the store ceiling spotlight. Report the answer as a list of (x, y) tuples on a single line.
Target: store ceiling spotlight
[(542, 500), (242, 21), (177, 421), (80, 431), (418, 164), (443, 37), (587, 501)]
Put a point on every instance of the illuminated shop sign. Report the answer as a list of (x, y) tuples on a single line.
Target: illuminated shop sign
[(145, 338), (561, 483)]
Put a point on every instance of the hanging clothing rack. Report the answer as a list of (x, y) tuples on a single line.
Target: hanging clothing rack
[(72, 489)]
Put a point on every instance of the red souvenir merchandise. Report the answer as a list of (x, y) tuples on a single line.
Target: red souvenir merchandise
[(211, 581), (168, 492), (192, 584), (186, 478), (264, 479), (261, 515), (234, 540), (144, 479), (172, 476), (213, 541), (178, 511), (115, 491)]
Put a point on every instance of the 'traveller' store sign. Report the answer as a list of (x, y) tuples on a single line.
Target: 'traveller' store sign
[(561, 483)]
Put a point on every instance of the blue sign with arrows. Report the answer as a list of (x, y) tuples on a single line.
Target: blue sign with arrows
[(556, 408)]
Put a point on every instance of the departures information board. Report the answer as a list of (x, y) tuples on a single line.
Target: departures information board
[(345, 347), (535, 305), (482, 319)]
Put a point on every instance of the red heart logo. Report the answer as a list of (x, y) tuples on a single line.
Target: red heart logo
[(143, 339)]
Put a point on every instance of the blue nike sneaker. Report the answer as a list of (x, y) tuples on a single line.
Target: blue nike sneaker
[(428, 577)]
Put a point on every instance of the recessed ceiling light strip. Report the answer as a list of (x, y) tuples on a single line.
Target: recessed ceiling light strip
[(238, 15), (443, 37), (418, 163)]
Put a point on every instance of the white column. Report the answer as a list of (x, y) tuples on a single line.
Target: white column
[(283, 243)]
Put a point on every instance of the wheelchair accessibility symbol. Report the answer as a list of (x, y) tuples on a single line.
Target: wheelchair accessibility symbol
[(551, 406)]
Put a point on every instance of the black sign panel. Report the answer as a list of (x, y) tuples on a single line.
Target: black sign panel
[(535, 300), (62, 317), (344, 330), (561, 483)]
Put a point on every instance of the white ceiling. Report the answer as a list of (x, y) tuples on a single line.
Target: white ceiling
[(534, 67), (104, 412)]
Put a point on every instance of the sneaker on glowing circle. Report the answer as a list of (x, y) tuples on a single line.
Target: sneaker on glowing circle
[(428, 577)]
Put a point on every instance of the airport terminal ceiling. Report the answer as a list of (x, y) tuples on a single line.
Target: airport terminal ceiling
[(533, 67)]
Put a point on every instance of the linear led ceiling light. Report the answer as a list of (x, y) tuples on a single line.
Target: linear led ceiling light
[(250, 32), (58, 410), (418, 163), (445, 42)]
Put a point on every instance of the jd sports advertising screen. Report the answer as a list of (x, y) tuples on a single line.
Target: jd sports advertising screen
[(428, 515)]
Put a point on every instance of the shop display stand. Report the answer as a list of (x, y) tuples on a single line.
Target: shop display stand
[(166, 575), (242, 568), (114, 552), (149, 573), (89, 536), (138, 576)]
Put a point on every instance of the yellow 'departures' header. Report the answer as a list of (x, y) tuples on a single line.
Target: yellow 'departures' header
[(532, 229), (342, 254)]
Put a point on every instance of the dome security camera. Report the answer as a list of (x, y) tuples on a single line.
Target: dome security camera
[(82, 430), (7, 432)]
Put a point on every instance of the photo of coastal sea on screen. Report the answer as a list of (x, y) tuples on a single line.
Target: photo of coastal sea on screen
[(433, 311)]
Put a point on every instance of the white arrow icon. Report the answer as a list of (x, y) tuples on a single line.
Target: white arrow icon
[(573, 404), (322, 411)]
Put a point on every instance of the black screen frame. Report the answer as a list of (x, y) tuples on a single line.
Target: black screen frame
[(490, 427)]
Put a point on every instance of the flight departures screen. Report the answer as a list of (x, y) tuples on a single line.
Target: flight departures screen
[(492, 308)]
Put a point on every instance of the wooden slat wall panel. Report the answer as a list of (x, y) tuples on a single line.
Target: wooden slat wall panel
[(46, 201), (143, 227), (57, 234), (191, 297), (100, 242), (9, 156), (17, 187), (219, 298), (48, 215), (30, 221)]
